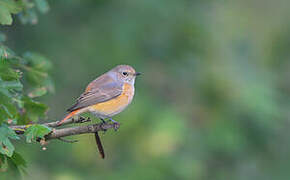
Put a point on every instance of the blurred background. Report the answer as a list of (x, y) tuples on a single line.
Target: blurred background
[(212, 103)]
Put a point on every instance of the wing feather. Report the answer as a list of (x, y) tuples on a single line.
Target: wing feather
[(100, 90)]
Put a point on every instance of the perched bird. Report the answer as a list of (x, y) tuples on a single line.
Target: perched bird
[(107, 95)]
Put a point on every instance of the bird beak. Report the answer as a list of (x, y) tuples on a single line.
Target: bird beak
[(137, 74)]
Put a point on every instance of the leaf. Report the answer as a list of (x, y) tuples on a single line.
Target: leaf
[(3, 162), (7, 109), (42, 5), (18, 159), (5, 16), (6, 8), (37, 61), (6, 147), (36, 131), (37, 72), (11, 5), (7, 73), (33, 110), (38, 92), (11, 85), (36, 77)]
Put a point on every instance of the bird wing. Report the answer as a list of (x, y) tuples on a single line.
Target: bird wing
[(100, 90)]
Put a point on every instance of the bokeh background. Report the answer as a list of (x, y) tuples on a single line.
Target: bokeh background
[(212, 103)]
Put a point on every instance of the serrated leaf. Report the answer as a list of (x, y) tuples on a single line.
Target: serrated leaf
[(36, 131), (6, 147), (42, 5)]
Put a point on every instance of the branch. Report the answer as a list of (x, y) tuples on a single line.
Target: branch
[(55, 124), (59, 133)]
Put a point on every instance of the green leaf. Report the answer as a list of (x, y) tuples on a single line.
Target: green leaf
[(33, 110), (7, 73), (6, 8), (36, 77), (11, 85), (6, 147), (5, 16), (37, 69), (18, 159), (38, 92), (3, 162), (42, 5), (12, 6), (37, 61), (36, 131), (9, 94)]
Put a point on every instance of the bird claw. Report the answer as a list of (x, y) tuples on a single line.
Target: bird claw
[(82, 120), (116, 124)]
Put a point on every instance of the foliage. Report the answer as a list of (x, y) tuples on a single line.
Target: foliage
[(24, 9), (18, 105), (6, 146), (36, 131)]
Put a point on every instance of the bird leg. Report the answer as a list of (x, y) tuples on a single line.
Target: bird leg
[(116, 124), (103, 122), (81, 120)]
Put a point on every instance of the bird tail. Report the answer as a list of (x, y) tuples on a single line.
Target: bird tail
[(71, 114)]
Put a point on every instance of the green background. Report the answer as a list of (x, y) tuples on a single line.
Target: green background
[(212, 103)]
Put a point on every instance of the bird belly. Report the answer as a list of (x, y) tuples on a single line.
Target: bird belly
[(114, 106)]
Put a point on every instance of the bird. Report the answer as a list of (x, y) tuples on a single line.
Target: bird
[(107, 95)]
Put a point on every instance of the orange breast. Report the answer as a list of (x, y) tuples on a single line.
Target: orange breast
[(116, 105)]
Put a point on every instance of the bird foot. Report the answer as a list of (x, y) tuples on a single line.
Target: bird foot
[(116, 124), (82, 120)]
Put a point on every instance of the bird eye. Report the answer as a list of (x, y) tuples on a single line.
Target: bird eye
[(125, 73)]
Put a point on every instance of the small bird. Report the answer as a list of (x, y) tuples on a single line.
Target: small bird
[(107, 95)]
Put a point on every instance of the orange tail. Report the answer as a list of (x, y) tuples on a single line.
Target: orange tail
[(67, 117)]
